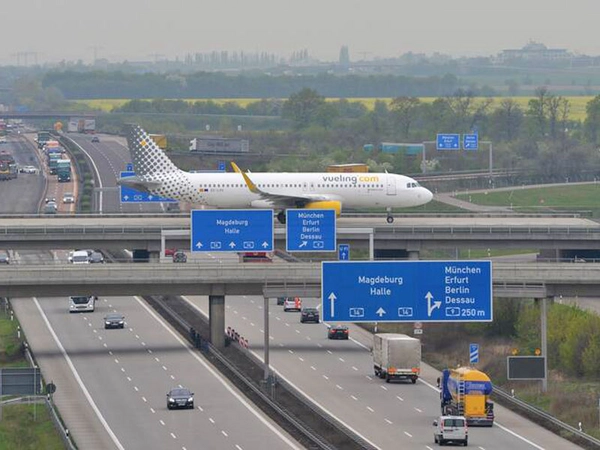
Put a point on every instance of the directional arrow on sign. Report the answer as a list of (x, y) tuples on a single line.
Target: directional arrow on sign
[(332, 299), (431, 306), (303, 244), (265, 244), (199, 244), (380, 312), (126, 197), (232, 244)]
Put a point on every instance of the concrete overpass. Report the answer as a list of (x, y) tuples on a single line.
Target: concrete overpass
[(529, 280), (552, 235)]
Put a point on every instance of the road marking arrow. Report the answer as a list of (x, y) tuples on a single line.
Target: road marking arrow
[(332, 299), (380, 312), (430, 306)]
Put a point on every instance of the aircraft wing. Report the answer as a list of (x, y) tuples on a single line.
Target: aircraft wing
[(282, 200)]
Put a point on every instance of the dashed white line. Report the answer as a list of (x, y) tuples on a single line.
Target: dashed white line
[(291, 351), (144, 398), (149, 351), (136, 336), (354, 368), (200, 408), (104, 345), (418, 410), (319, 345), (224, 434), (95, 331), (354, 398), (383, 387), (341, 359), (128, 378), (172, 377), (143, 343), (116, 361), (156, 359), (313, 367), (330, 352), (152, 409), (326, 377), (211, 420), (369, 378), (164, 368), (301, 359), (339, 387), (370, 409), (238, 447), (388, 421), (161, 422), (251, 324), (136, 389), (123, 369), (408, 434), (400, 398), (298, 331)]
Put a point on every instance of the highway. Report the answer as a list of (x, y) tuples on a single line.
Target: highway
[(127, 372), (338, 376), (112, 384)]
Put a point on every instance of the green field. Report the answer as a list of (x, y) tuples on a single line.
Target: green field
[(19, 430), (576, 197), (577, 103)]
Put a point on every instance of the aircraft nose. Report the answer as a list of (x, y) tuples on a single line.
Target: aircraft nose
[(426, 195)]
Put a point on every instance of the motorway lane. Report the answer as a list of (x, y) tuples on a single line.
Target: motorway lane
[(23, 194), (128, 373), (339, 375), (110, 157)]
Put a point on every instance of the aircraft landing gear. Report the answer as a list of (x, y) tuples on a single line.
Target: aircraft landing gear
[(281, 217), (390, 218)]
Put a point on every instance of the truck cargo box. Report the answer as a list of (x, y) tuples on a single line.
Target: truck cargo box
[(396, 357)]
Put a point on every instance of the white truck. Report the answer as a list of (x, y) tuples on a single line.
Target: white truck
[(396, 357)]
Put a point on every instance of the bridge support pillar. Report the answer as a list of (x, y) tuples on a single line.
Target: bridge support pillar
[(413, 255), (216, 319), (153, 257)]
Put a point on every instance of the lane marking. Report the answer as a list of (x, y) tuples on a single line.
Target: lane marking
[(218, 376), (326, 377), (86, 393), (353, 398), (161, 422), (173, 436), (354, 368), (211, 420), (400, 398), (370, 409), (388, 421), (383, 387), (224, 434), (418, 410)]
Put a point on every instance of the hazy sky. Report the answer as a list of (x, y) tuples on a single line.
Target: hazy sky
[(135, 30)]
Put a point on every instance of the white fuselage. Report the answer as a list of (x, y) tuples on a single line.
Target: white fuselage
[(352, 190)]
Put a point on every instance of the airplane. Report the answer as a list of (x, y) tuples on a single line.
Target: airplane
[(156, 174)]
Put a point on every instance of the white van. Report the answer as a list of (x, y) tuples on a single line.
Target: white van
[(450, 429), (79, 257)]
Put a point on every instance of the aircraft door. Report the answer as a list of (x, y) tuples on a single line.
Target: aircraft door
[(391, 184)]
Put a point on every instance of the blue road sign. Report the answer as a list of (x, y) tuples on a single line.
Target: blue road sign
[(130, 195), (221, 166), (473, 353), (232, 230), (448, 142), (344, 252), (471, 141), (407, 291), (310, 230), (129, 167)]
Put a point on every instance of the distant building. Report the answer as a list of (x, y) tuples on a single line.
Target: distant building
[(534, 52)]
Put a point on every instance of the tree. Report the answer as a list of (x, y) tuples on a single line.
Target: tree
[(404, 111), (537, 111), (592, 120), (302, 106), (506, 120)]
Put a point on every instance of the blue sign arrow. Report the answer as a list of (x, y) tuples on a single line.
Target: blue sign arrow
[(310, 230), (473, 353), (343, 252), (130, 195), (221, 166), (232, 230), (407, 291), (471, 141), (448, 142), (129, 167)]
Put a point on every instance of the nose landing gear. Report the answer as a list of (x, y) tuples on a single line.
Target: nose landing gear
[(390, 218)]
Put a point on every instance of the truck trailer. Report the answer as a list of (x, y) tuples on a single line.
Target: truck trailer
[(396, 357), (63, 170), (466, 391)]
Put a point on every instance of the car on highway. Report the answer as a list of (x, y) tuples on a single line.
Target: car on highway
[(292, 304), (179, 256), (28, 169), (281, 300), (4, 258), (309, 315), (79, 257), (68, 197), (451, 429), (50, 208), (96, 258), (95, 140), (50, 200), (3, 140), (114, 320), (180, 398), (170, 251), (338, 332)]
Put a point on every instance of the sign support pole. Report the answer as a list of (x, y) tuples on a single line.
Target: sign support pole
[(266, 337), (544, 325)]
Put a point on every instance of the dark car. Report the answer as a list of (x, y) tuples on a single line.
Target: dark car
[(114, 320), (180, 398), (179, 256), (281, 300), (309, 315), (96, 258), (338, 332), (4, 259), (95, 140)]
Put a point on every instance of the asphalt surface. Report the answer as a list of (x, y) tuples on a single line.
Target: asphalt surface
[(338, 376)]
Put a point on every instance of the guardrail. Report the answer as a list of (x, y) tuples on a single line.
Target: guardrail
[(250, 384), (564, 429)]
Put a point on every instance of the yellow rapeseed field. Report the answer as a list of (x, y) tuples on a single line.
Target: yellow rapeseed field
[(576, 111)]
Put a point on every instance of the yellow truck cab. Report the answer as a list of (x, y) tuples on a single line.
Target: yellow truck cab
[(466, 391)]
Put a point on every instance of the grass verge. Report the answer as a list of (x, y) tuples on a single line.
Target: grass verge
[(28, 427)]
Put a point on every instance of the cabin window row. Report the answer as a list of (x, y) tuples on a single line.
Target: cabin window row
[(298, 185)]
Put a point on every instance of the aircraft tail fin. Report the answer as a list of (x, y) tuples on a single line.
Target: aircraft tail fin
[(147, 157)]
